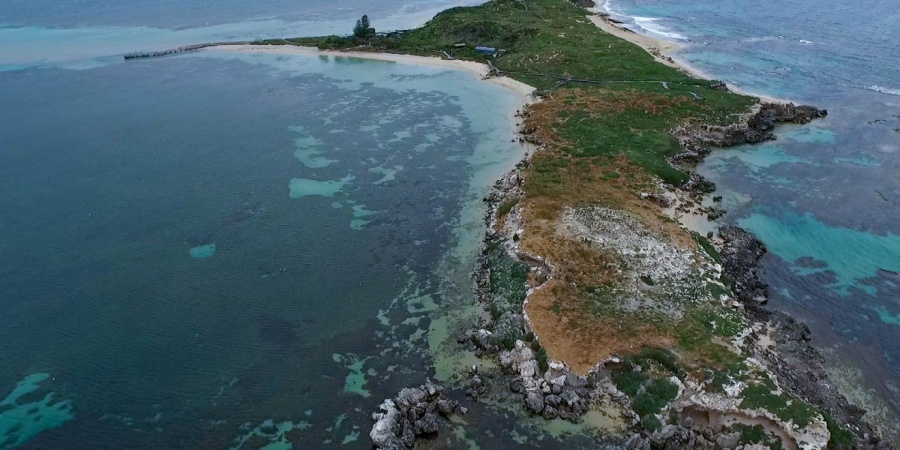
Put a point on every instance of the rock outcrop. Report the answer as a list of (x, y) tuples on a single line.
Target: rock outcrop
[(413, 413), (741, 252), (551, 393), (698, 139)]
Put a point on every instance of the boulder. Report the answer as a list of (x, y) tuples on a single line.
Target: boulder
[(535, 402), (386, 427), (729, 440), (575, 380), (552, 400), (569, 397), (550, 412), (409, 397), (446, 407), (663, 435), (413, 412), (636, 442), (428, 424)]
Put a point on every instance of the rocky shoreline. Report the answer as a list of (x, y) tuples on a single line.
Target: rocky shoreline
[(793, 359), (550, 390), (798, 365)]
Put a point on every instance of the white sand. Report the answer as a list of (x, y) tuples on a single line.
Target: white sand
[(666, 52), (656, 47), (523, 90)]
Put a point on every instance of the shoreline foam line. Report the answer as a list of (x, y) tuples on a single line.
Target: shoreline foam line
[(667, 52)]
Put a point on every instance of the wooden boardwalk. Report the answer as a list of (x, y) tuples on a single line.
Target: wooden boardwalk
[(174, 51)]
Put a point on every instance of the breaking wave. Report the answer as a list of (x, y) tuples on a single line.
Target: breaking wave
[(883, 90), (649, 24)]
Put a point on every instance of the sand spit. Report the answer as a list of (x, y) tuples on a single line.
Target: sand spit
[(523, 90)]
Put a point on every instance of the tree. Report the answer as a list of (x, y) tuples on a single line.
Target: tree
[(362, 28)]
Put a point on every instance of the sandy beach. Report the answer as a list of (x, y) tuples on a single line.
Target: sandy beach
[(521, 89), (660, 49), (666, 52)]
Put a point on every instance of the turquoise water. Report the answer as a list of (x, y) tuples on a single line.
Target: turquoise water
[(21, 420), (81, 35), (850, 256), (762, 156), (823, 196)]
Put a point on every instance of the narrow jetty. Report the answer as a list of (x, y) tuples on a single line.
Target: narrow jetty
[(183, 49)]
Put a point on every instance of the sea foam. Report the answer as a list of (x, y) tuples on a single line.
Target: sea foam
[(650, 24), (883, 90)]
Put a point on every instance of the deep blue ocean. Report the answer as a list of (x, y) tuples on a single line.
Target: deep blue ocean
[(825, 198)]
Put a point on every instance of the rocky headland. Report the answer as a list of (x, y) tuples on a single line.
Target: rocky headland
[(777, 346), (595, 299)]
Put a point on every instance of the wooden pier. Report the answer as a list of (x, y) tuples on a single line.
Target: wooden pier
[(174, 51)]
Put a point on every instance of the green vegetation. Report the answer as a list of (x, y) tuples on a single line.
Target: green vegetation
[(764, 395), (657, 394), (651, 423), (728, 374), (644, 378), (757, 435), (708, 248), (840, 436), (663, 357), (556, 308), (630, 382), (362, 28), (751, 435), (547, 42), (541, 357), (704, 322), (508, 287), (506, 206), (508, 280)]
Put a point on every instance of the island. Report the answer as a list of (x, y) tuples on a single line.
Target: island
[(596, 296)]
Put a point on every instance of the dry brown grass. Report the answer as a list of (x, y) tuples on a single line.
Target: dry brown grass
[(581, 340), (560, 311)]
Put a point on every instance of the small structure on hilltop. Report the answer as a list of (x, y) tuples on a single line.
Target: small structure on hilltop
[(489, 50)]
